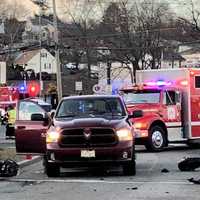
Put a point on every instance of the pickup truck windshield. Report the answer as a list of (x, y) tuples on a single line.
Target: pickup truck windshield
[(90, 108), (141, 96)]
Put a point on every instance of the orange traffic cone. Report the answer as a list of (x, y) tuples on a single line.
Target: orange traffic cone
[(28, 156)]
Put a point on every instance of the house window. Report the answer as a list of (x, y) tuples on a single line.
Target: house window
[(44, 55), (49, 65), (45, 66)]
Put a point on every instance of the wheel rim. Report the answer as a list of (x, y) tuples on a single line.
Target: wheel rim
[(157, 139)]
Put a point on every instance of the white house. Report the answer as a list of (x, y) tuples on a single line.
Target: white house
[(171, 60), (32, 60), (192, 57), (34, 30)]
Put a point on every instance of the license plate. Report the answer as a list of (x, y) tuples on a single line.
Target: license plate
[(87, 153)]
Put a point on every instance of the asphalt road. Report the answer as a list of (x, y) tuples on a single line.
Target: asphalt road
[(2, 132), (3, 142), (149, 183)]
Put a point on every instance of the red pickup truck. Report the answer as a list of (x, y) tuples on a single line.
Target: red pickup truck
[(84, 131)]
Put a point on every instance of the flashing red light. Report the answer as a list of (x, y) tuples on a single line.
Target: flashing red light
[(192, 73), (33, 89), (184, 82), (151, 83)]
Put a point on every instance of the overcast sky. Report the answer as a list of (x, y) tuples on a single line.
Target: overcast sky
[(181, 7)]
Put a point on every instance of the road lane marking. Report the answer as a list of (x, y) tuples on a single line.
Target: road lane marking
[(94, 181)]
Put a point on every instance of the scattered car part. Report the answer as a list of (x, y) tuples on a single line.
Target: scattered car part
[(8, 168), (189, 164)]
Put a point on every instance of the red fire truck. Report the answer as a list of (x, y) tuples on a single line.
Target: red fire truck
[(8, 96), (170, 102)]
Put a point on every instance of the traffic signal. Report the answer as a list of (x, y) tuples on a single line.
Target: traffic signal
[(33, 89)]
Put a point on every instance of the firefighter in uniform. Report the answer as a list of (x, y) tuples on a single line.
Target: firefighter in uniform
[(10, 128)]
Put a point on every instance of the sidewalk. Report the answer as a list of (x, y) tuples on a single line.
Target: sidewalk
[(8, 151)]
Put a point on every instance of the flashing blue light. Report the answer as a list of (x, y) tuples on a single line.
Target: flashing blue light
[(22, 88), (161, 83)]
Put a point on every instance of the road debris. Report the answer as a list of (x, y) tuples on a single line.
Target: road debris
[(133, 188), (8, 168), (195, 181), (189, 164), (164, 170)]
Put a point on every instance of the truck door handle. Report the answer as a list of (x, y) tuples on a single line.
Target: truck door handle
[(43, 135), (21, 127)]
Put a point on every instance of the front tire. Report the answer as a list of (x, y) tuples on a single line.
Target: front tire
[(50, 169), (129, 169), (157, 139)]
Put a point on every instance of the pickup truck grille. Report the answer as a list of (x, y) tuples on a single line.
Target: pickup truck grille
[(93, 137)]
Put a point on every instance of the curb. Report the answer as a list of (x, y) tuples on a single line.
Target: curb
[(24, 162), (27, 162)]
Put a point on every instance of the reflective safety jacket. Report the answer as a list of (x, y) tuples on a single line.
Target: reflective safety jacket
[(12, 116)]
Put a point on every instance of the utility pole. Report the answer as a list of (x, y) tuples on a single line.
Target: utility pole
[(42, 5), (40, 43), (108, 73), (58, 74)]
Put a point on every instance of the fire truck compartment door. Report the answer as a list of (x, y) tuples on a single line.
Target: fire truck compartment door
[(173, 119), (30, 128)]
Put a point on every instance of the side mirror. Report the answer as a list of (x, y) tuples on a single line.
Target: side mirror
[(37, 117), (136, 114)]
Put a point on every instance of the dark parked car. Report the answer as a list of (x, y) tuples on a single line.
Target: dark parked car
[(84, 131), (46, 106)]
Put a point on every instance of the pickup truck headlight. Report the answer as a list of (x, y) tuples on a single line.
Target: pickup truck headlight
[(52, 136), (124, 134)]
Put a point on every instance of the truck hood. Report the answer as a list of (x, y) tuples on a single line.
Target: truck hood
[(146, 108), (89, 122)]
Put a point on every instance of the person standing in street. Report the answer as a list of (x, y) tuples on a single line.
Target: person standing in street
[(10, 127)]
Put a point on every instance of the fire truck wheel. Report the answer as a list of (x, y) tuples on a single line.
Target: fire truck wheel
[(157, 139)]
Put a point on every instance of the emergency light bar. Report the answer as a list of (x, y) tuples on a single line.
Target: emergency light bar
[(158, 83)]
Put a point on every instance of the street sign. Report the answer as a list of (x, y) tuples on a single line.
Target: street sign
[(78, 86), (97, 88), (2, 72), (109, 89)]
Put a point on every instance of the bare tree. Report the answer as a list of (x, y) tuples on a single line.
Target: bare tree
[(13, 28), (195, 16), (191, 23), (81, 14), (135, 31)]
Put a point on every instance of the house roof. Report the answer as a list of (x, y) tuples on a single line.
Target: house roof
[(192, 50), (44, 22), (24, 57), (172, 56)]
